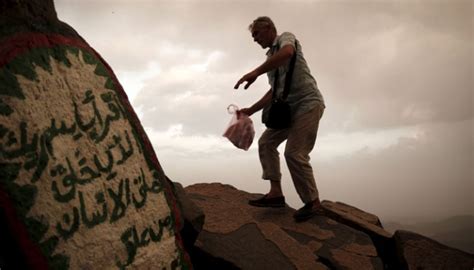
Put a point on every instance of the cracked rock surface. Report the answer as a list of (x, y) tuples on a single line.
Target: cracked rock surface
[(249, 237)]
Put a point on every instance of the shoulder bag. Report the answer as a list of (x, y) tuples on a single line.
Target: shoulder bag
[(279, 112)]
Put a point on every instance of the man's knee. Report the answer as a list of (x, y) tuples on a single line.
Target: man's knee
[(264, 143), (261, 141), (296, 156)]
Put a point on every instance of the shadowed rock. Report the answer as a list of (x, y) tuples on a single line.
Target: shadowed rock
[(193, 216), (419, 252), (367, 223)]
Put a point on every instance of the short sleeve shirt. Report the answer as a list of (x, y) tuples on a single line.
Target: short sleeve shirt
[(304, 94)]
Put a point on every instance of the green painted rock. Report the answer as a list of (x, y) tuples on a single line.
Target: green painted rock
[(80, 185)]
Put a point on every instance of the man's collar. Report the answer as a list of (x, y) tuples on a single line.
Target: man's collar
[(274, 44)]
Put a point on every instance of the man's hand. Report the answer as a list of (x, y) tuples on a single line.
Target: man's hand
[(249, 78)]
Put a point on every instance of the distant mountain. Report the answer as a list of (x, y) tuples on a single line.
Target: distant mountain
[(457, 231)]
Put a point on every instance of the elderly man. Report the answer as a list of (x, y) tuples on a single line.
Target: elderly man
[(307, 107)]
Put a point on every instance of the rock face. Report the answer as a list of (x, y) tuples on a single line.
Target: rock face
[(80, 185), (238, 236)]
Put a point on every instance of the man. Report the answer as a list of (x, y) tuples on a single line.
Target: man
[(307, 107)]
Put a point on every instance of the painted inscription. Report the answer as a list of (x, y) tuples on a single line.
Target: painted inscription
[(77, 169)]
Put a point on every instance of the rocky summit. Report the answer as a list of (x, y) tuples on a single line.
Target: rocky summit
[(81, 187), (236, 235)]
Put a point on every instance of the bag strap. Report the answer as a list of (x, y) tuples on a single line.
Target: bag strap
[(288, 77)]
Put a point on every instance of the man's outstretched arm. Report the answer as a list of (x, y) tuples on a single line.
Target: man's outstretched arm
[(281, 57)]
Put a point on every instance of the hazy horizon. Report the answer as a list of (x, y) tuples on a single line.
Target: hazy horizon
[(396, 138)]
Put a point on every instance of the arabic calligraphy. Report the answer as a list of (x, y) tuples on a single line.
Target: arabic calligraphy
[(68, 176), (133, 240), (122, 198), (39, 149), (90, 164)]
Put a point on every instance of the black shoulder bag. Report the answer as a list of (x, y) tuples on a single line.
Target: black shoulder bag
[(279, 113)]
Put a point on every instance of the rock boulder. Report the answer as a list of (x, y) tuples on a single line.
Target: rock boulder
[(80, 185)]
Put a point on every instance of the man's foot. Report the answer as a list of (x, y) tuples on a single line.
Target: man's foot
[(308, 211), (268, 202)]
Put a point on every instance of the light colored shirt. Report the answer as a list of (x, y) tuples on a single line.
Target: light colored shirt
[(304, 94)]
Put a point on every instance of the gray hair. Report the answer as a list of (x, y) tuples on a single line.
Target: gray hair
[(261, 22)]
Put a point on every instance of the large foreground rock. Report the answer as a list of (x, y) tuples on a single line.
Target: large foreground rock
[(80, 185), (239, 236)]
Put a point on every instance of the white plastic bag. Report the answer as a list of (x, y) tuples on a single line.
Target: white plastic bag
[(240, 129)]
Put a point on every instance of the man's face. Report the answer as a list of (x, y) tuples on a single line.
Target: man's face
[(263, 36)]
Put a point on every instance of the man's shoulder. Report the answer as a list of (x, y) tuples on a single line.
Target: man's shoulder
[(287, 34), (286, 38)]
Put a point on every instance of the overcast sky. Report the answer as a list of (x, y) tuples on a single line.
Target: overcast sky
[(396, 138)]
